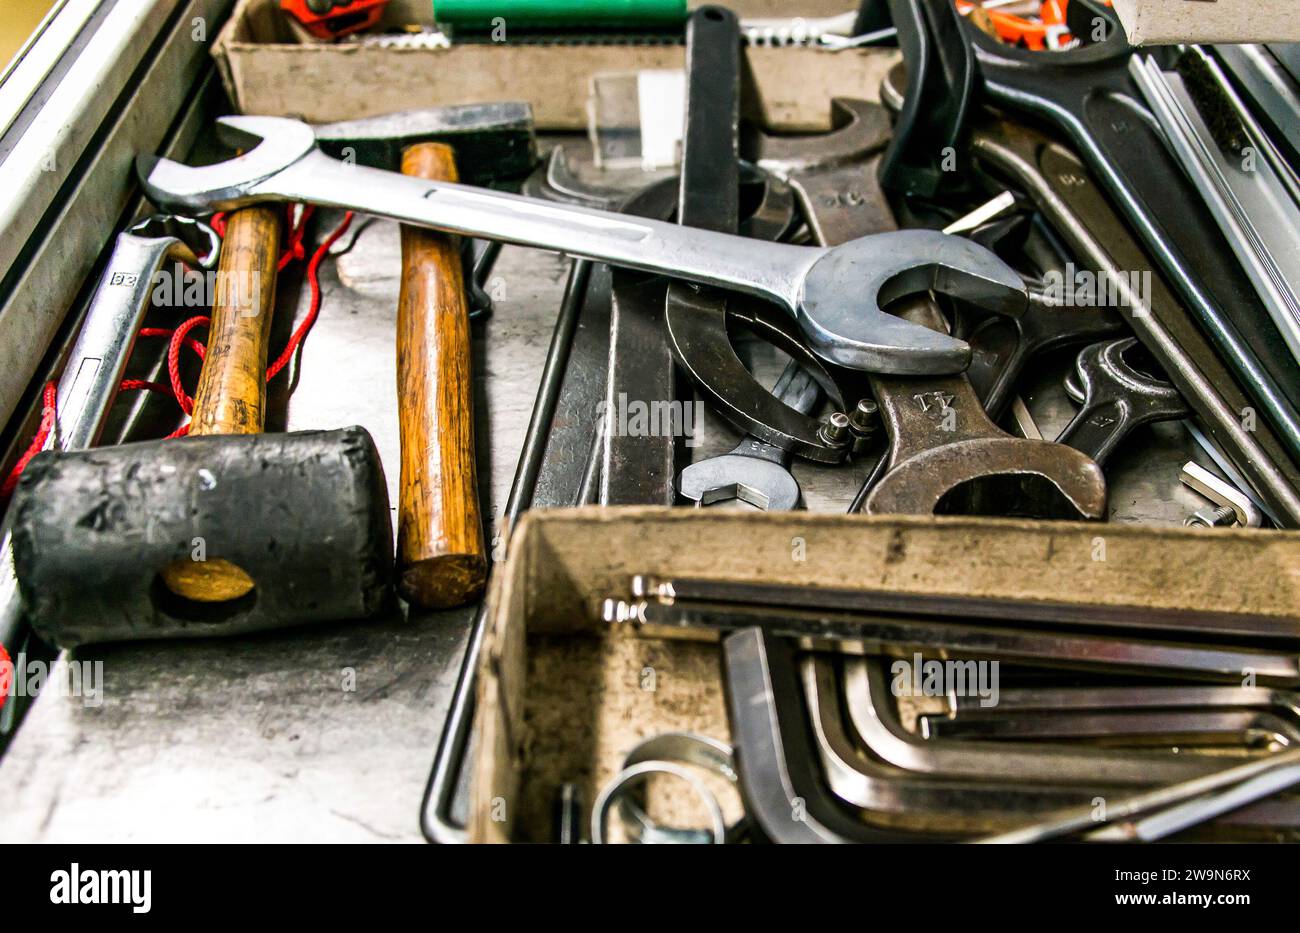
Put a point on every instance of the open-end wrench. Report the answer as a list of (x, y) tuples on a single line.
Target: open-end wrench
[(1089, 94), (835, 294), (1118, 397), (1001, 346), (755, 472), (1064, 191), (945, 453), (859, 128)]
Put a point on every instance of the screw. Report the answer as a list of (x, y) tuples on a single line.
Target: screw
[(834, 431), (1212, 517)]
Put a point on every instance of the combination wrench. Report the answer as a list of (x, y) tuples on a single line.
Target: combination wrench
[(91, 377), (835, 294)]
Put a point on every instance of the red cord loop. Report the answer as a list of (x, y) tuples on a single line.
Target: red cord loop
[(179, 338)]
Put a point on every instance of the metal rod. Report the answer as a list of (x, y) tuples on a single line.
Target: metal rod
[(436, 820)]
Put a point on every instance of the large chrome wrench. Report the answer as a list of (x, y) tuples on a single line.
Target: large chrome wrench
[(836, 294)]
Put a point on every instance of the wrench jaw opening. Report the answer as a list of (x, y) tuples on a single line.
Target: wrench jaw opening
[(760, 483), (994, 476), (273, 144), (844, 292)]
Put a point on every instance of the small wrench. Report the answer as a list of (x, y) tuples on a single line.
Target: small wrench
[(755, 472), (1118, 397)]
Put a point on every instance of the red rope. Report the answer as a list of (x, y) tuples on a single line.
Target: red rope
[(38, 442), (6, 675), (313, 280), (179, 338)]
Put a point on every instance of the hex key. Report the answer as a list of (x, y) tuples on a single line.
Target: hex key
[(1021, 699), (1207, 789), (858, 779), (878, 729), (785, 793), (1134, 618), (868, 633), (1226, 727)]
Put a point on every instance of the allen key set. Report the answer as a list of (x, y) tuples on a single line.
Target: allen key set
[(921, 466)]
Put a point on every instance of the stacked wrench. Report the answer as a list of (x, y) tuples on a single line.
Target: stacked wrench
[(1116, 398), (946, 454)]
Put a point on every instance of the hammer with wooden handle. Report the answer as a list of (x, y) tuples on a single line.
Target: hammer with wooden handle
[(441, 559), (226, 531), (231, 397)]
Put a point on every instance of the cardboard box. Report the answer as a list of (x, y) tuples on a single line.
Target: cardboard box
[(1166, 22), (267, 71), (561, 698)]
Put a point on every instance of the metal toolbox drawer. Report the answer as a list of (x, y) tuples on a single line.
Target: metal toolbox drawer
[(323, 734)]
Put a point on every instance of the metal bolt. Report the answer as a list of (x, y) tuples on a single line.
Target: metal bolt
[(834, 431), (1212, 517), (865, 418), (1221, 493)]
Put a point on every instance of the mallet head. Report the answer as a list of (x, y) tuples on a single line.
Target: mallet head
[(305, 515)]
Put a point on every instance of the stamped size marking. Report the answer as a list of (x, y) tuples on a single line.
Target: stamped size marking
[(851, 197), (124, 278), (934, 402)]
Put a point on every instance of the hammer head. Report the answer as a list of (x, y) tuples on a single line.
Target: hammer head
[(305, 515), (271, 145), (494, 142)]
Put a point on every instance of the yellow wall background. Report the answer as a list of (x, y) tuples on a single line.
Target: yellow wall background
[(17, 20)]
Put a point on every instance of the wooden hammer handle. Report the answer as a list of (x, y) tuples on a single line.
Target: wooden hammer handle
[(441, 557), (231, 397)]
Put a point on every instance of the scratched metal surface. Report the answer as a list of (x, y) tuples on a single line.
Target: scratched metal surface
[(256, 738)]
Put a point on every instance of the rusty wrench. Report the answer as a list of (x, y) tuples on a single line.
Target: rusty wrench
[(946, 454)]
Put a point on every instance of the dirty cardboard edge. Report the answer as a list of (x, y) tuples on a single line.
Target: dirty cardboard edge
[(779, 74), (512, 604), (1171, 22)]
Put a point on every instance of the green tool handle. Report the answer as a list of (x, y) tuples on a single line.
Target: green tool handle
[(559, 13)]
